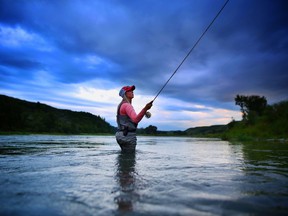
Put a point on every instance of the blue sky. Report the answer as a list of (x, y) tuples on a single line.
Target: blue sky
[(76, 55)]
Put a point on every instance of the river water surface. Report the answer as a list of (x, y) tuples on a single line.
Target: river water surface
[(88, 175)]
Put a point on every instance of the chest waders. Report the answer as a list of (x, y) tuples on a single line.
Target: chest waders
[(126, 133)]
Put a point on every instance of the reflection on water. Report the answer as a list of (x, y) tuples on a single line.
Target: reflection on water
[(126, 178), (265, 153), (265, 165)]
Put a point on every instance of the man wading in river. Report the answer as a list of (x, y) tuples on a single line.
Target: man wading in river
[(127, 119)]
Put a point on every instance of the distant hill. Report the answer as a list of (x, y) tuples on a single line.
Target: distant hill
[(22, 116), (206, 130)]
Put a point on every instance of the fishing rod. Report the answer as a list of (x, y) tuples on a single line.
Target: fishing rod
[(148, 114), (211, 23)]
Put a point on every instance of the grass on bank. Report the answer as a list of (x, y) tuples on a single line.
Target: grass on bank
[(273, 124)]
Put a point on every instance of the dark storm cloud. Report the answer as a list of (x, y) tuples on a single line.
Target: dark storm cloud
[(19, 62), (129, 35)]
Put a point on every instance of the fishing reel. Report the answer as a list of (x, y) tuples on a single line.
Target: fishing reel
[(147, 114)]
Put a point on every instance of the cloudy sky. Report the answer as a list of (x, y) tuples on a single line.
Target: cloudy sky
[(74, 54)]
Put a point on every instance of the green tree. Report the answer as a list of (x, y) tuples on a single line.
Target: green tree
[(151, 129), (251, 106)]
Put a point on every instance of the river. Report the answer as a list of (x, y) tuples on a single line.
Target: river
[(88, 175)]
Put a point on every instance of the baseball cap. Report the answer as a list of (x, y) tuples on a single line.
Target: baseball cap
[(125, 89)]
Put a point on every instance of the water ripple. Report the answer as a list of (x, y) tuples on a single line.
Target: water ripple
[(89, 175)]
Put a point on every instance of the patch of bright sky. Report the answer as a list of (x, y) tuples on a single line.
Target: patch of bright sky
[(17, 36), (90, 60), (44, 78), (184, 117), (109, 96)]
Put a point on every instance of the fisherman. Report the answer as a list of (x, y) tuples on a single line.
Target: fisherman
[(127, 119)]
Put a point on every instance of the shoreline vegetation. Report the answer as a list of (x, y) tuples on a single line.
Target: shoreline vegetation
[(260, 121), (20, 117)]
